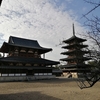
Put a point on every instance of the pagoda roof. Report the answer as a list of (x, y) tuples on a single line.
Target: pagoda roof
[(81, 70), (23, 43), (75, 68), (13, 59), (74, 45), (73, 38), (74, 51), (73, 58)]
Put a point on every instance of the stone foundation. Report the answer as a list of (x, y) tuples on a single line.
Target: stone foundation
[(25, 78)]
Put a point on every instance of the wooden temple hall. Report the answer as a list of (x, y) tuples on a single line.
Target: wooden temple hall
[(24, 61)]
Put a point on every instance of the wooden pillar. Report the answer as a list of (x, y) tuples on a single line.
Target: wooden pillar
[(3, 54)]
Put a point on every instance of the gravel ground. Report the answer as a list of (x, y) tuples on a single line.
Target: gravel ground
[(56, 89)]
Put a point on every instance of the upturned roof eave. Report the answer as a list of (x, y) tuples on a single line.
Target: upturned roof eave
[(74, 38), (68, 59), (76, 70), (75, 66), (6, 45), (30, 60), (70, 46), (25, 67), (74, 52)]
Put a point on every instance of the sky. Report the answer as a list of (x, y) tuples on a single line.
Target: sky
[(47, 21)]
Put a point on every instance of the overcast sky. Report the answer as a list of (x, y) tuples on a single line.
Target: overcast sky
[(48, 21)]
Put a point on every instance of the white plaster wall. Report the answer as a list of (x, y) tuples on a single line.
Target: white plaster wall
[(24, 78)]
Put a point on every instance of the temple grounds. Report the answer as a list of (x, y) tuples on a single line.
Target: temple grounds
[(55, 89)]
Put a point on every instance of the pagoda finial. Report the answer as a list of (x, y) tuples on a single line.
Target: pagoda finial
[(73, 30)]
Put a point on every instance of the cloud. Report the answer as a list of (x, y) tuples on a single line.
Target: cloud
[(44, 20)]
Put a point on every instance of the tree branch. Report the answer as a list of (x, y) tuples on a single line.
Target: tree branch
[(91, 10)]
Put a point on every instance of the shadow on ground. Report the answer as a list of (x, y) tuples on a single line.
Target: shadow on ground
[(27, 96), (53, 81)]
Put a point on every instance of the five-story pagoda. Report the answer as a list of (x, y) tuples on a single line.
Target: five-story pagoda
[(75, 55)]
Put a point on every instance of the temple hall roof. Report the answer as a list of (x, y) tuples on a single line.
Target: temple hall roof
[(24, 43), (28, 60)]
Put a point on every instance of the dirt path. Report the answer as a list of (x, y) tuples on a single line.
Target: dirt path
[(47, 90)]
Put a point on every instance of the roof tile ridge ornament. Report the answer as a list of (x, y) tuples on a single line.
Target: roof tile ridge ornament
[(11, 40), (73, 30)]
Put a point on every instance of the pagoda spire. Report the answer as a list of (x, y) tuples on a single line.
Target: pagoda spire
[(73, 30)]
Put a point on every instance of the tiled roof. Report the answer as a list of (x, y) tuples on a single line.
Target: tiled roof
[(74, 38), (16, 59), (23, 43)]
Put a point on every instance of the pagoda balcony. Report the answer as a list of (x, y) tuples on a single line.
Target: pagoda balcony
[(74, 45), (75, 58), (75, 67), (81, 70), (74, 51)]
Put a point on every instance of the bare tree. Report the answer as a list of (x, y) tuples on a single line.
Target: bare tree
[(96, 4), (94, 35), (94, 29)]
